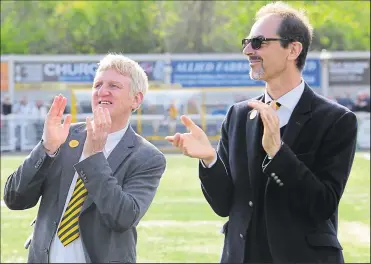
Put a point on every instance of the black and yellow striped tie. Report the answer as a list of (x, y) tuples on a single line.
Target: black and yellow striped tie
[(277, 105), (68, 229)]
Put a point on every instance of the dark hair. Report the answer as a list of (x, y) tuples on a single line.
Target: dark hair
[(294, 26)]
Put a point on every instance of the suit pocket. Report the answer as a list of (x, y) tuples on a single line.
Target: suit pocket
[(323, 240)]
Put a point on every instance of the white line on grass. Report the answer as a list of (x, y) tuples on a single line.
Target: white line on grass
[(354, 231), (171, 223)]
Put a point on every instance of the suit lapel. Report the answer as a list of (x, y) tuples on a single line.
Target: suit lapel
[(117, 156), (300, 115), (122, 150), (253, 144), (72, 157)]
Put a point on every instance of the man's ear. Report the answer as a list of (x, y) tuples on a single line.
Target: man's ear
[(137, 101), (295, 50)]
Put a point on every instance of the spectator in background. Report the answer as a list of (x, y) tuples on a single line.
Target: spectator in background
[(24, 107), (39, 113), (192, 107), (172, 111), (24, 121), (346, 101), (362, 103), (40, 110), (172, 114), (6, 106), (151, 109)]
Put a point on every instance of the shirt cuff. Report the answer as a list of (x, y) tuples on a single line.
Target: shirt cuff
[(268, 158), (211, 164), (53, 155), (50, 155)]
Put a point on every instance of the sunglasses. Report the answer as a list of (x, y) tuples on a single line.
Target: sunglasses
[(257, 42)]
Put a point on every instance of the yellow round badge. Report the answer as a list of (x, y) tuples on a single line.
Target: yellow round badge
[(73, 143)]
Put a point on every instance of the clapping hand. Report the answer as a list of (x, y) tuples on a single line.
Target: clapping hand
[(194, 144), (271, 136), (55, 132), (97, 131)]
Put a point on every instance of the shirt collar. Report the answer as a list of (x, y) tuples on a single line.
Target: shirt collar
[(290, 99), (114, 138)]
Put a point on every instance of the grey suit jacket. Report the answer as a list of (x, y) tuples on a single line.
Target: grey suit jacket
[(120, 191)]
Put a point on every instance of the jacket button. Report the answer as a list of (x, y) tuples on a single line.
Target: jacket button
[(251, 204), (46, 250), (38, 163), (273, 174), (278, 181), (241, 236)]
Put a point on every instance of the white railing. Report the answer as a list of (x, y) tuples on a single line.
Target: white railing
[(22, 132)]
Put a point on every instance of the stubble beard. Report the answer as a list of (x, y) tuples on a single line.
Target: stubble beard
[(257, 74)]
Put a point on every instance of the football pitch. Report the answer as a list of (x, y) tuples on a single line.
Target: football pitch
[(181, 227)]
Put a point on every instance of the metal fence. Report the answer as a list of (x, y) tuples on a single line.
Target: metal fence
[(20, 133)]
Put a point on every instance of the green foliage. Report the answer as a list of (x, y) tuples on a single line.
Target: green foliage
[(91, 27)]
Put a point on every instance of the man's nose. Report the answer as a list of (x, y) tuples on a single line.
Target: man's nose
[(248, 50), (103, 90)]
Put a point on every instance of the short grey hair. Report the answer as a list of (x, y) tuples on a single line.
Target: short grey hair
[(126, 67)]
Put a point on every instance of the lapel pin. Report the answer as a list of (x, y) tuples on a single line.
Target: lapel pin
[(253, 114), (73, 143)]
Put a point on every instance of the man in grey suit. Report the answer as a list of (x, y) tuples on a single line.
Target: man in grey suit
[(96, 179)]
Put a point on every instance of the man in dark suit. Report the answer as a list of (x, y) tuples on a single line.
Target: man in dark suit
[(283, 159), (96, 179)]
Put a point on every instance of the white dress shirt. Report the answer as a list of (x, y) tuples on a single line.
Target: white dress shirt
[(288, 102), (74, 252)]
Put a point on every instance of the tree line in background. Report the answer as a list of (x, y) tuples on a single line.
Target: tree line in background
[(96, 27)]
